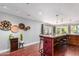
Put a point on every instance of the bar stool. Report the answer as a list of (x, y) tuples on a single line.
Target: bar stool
[(21, 44)]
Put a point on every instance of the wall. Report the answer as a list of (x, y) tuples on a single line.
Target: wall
[(30, 36)]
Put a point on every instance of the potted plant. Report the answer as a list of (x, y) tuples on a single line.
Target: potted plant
[(11, 36), (21, 38)]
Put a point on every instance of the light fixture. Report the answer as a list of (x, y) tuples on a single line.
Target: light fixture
[(40, 13), (57, 18), (5, 7), (27, 3)]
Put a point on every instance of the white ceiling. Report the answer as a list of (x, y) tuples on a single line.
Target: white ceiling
[(46, 12)]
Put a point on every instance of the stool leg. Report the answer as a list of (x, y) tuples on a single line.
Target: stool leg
[(23, 45), (19, 45)]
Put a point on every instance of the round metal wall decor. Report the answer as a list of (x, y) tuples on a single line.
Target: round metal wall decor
[(5, 25), (21, 26), (0, 26), (27, 28), (14, 28)]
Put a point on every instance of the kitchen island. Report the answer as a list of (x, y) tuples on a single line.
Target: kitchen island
[(49, 42)]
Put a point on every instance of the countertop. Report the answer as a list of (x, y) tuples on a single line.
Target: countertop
[(52, 36)]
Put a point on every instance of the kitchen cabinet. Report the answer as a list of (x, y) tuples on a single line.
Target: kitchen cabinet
[(49, 43), (48, 46), (73, 39), (13, 44)]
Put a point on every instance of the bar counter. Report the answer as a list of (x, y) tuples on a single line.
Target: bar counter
[(50, 41)]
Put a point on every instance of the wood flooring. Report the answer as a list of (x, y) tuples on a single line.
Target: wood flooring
[(33, 50)]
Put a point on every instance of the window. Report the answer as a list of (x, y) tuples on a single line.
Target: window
[(78, 28), (48, 29), (62, 29), (73, 28)]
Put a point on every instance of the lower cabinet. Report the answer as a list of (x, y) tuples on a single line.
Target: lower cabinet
[(48, 46), (74, 39), (13, 44)]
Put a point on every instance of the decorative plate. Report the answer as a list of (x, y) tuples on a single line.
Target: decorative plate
[(14, 28), (27, 28), (1, 26), (5, 25), (21, 26)]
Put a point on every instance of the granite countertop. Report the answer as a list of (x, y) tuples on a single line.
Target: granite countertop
[(46, 35), (52, 36)]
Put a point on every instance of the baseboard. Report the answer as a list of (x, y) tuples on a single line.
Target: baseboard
[(25, 45), (3, 51), (30, 44)]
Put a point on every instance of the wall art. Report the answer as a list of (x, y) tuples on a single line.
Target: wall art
[(21, 26), (14, 28), (5, 25)]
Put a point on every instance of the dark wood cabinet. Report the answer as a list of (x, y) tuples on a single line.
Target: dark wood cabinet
[(48, 46), (13, 44), (73, 39)]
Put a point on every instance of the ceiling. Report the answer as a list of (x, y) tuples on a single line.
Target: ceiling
[(53, 13)]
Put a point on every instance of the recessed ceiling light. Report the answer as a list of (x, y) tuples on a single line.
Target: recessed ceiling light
[(28, 4), (5, 7), (40, 13), (28, 15)]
